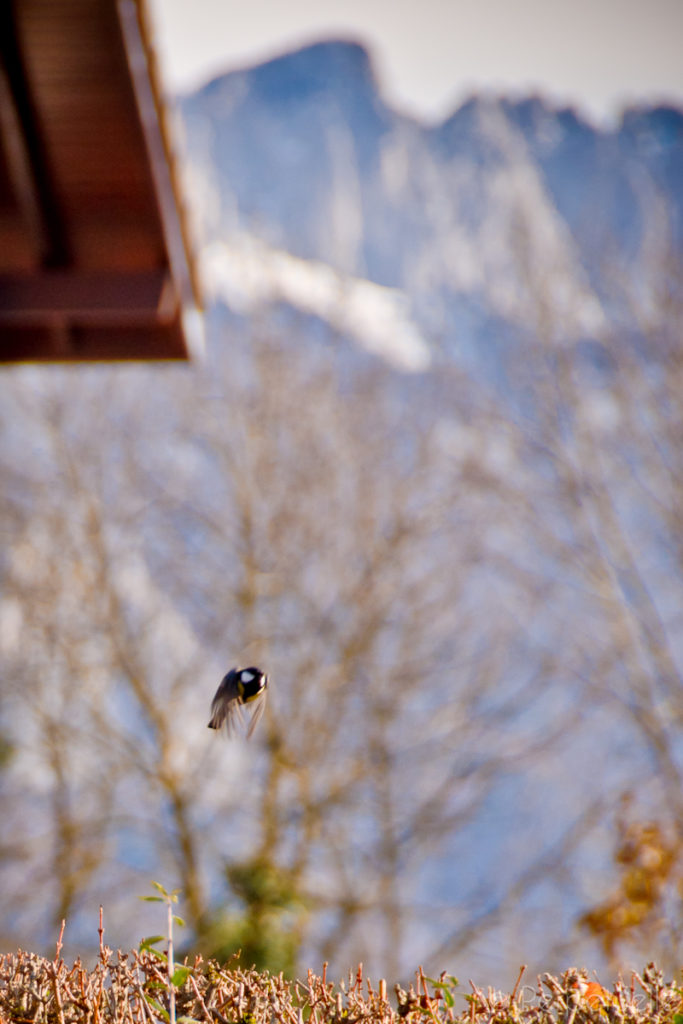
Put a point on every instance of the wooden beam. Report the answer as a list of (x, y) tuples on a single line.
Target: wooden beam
[(27, 156), (94, 296), (92, 343)]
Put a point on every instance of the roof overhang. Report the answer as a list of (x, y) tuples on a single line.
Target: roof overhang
[(94, 263)]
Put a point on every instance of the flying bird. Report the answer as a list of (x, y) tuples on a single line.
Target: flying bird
[(239, 687)]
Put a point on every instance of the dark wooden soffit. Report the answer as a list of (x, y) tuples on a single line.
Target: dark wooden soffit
[(93, 260)]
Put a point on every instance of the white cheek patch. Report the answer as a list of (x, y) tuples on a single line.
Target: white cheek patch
[(246, 677)]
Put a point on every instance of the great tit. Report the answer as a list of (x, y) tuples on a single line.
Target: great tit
[(240, 686)]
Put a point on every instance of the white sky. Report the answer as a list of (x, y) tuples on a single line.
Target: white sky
[(429, 54)]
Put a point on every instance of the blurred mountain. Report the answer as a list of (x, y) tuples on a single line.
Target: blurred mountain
[(299, 163)]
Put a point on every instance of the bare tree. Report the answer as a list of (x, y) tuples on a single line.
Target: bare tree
[(465, 606), (287, 516)]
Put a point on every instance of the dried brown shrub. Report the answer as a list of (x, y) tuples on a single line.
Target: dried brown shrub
[(131, 988)]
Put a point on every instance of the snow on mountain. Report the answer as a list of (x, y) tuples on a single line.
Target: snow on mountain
[(247, 274)]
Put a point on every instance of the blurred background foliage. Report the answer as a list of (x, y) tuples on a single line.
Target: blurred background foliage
[(468, 598), (471, 662)]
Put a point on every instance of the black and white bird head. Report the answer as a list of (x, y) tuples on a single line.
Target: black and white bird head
[(239, 687)]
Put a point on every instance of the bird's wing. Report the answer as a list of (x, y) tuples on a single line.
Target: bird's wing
[(259, 708), (233, 717), (225, 704)]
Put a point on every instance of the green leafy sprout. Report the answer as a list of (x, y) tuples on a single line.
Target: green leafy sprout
[(177, 976)]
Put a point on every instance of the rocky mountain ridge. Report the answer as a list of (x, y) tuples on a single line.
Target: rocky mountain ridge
[(503, 211)]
